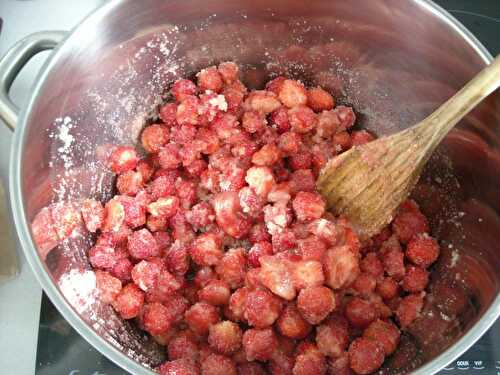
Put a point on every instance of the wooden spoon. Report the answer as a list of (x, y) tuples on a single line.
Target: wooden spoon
[(367, 183)]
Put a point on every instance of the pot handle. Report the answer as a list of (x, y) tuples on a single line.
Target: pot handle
[(12, 63)]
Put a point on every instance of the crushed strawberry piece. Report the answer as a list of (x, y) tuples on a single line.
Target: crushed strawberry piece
[(292, 93), (262, 308), (44, 233), (408, 224), (210, 79), (332, 336), (206, 250), (319, 99), (168, 113), (409, 308), (275, 274), (108, 286), (145, 274), (215, 292), (201, 316), (142, 245), (292, 324), (92, 214), (315, 303), (308, 206), (225, 337), (365, 355), (129, 301), (123, 159), (66, 217), (360, 312), (341, 267), (183, 345), (179, 367), (156, 318), (154, 137), (422, 250), (385, 333), (259, 344)]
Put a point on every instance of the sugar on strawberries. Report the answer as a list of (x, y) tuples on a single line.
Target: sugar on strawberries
[(220, 247)]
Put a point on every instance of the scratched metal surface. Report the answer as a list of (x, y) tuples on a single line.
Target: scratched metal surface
[(62, 351)]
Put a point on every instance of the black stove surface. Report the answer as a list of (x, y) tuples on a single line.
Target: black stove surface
[(61, 350)]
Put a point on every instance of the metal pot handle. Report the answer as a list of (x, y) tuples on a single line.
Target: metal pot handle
[(12, 63)]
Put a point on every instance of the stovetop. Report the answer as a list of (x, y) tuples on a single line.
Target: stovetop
[(61, 350)]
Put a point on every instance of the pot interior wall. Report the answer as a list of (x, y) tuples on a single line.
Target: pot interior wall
[(393, 61)]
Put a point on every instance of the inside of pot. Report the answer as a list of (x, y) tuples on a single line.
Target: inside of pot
[(394, 62)]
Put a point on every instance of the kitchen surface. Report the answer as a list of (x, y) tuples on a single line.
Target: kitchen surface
[(34, 338)]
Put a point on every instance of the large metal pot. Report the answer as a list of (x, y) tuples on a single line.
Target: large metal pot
[(394, 60)]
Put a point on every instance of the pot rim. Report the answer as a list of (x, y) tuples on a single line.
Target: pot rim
[(23, 229), (106, 348)]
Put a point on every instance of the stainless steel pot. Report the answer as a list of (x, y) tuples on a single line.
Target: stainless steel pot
[(395, 61)]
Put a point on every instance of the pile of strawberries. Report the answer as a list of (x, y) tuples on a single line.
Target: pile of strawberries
[(218, 244)]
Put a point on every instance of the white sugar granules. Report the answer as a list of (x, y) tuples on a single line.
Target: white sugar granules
[(219, 102), (64, 136), (79, 288), (455, 256)]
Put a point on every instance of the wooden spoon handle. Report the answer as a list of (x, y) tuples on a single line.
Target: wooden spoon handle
[(442, 120)]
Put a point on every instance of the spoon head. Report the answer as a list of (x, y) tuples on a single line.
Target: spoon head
[(367, 183)]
